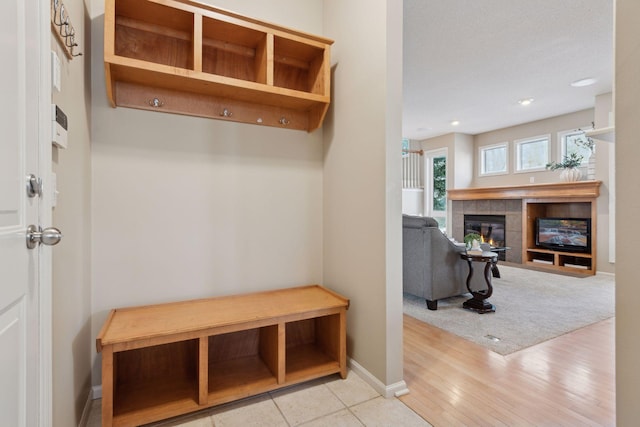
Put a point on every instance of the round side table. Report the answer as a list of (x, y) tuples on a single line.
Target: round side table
[(479, 302)]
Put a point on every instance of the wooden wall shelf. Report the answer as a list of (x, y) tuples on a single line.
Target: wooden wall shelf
[(184, 57), (164, 360)]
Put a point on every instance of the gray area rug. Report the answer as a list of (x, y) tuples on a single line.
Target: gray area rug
[(531, 307)]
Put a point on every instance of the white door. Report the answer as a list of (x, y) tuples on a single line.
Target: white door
[(21, 114)]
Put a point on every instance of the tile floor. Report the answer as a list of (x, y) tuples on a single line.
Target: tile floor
[(326, 402)]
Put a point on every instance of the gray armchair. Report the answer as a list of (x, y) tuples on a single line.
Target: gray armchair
[(432, 267)]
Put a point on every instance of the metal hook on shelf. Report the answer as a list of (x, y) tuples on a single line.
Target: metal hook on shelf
[(283, 121), (155, 102), (60, 13), (226, 113)]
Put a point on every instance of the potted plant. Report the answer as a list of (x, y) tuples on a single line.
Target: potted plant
[(470, 237), (569, 165), (589, 144)]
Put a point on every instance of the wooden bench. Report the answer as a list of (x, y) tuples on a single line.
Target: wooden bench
[(164, 360)]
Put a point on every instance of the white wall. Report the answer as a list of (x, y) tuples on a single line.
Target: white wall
[(362, 180), (413, 201), (627, 111), (72, 340), (463, 158), (552, 126), (605, 170), (186, 207), (459, 148), (459, 157)]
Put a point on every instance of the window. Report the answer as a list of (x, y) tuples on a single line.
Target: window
[(572, 141), (439, 166), (532, 154), (493, 159), (436, 186)]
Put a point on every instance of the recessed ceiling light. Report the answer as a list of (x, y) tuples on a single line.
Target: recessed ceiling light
[(583, 82), (455, 122), (525, 101)]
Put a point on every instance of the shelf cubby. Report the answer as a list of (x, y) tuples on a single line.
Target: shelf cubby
[(155, 33), (163, 376), (242, 361), (312, 345), (299, 66), (233, 51), (578, 263)]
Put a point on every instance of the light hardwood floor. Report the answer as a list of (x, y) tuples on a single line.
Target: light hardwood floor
[(566, 381)]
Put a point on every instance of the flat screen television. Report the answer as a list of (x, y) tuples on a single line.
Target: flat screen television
[(564, 234)]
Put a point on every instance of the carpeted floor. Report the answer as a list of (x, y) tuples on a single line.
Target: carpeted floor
[(531, 307)]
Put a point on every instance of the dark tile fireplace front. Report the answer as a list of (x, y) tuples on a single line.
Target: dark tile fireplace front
[(490, 227)]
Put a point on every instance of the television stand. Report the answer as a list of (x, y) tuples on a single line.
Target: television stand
[(567, 262)]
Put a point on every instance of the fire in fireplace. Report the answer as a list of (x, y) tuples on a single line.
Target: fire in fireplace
[(491, 229)]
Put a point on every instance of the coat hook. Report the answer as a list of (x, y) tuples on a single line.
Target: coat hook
[(155, 102), (226, 113), (283, 121)]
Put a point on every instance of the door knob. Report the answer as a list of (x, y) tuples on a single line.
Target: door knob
[(49, 236)]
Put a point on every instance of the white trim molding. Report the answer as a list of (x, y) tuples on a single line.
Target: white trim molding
[(393, 390), (86, 411)]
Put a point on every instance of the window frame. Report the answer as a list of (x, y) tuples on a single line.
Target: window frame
[(518, 154), (481, 159), (429, 157), (562, 143)]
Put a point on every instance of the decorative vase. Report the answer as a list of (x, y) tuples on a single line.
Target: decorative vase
[(570, 175), (591, 166)]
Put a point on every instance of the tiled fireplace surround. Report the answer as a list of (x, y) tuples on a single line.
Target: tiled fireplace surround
[(511, 209)]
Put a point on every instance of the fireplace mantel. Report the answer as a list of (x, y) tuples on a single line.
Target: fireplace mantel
[(530, 191)]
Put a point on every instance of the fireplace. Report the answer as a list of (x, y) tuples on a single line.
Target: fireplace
[(491, 229)]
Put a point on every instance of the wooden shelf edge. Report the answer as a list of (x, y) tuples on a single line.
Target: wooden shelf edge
[(209, 83), (529, 191), (334, 304), (561, 269), (149, 415), (550, 251), (131, 95), (103, 330), (312, 372), (151, 407)]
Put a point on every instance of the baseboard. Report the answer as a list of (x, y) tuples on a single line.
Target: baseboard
[(96, 391), (87, 408), (393, 390), (605, 273)]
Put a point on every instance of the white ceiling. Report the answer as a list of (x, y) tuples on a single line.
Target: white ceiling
[(472, 60)]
